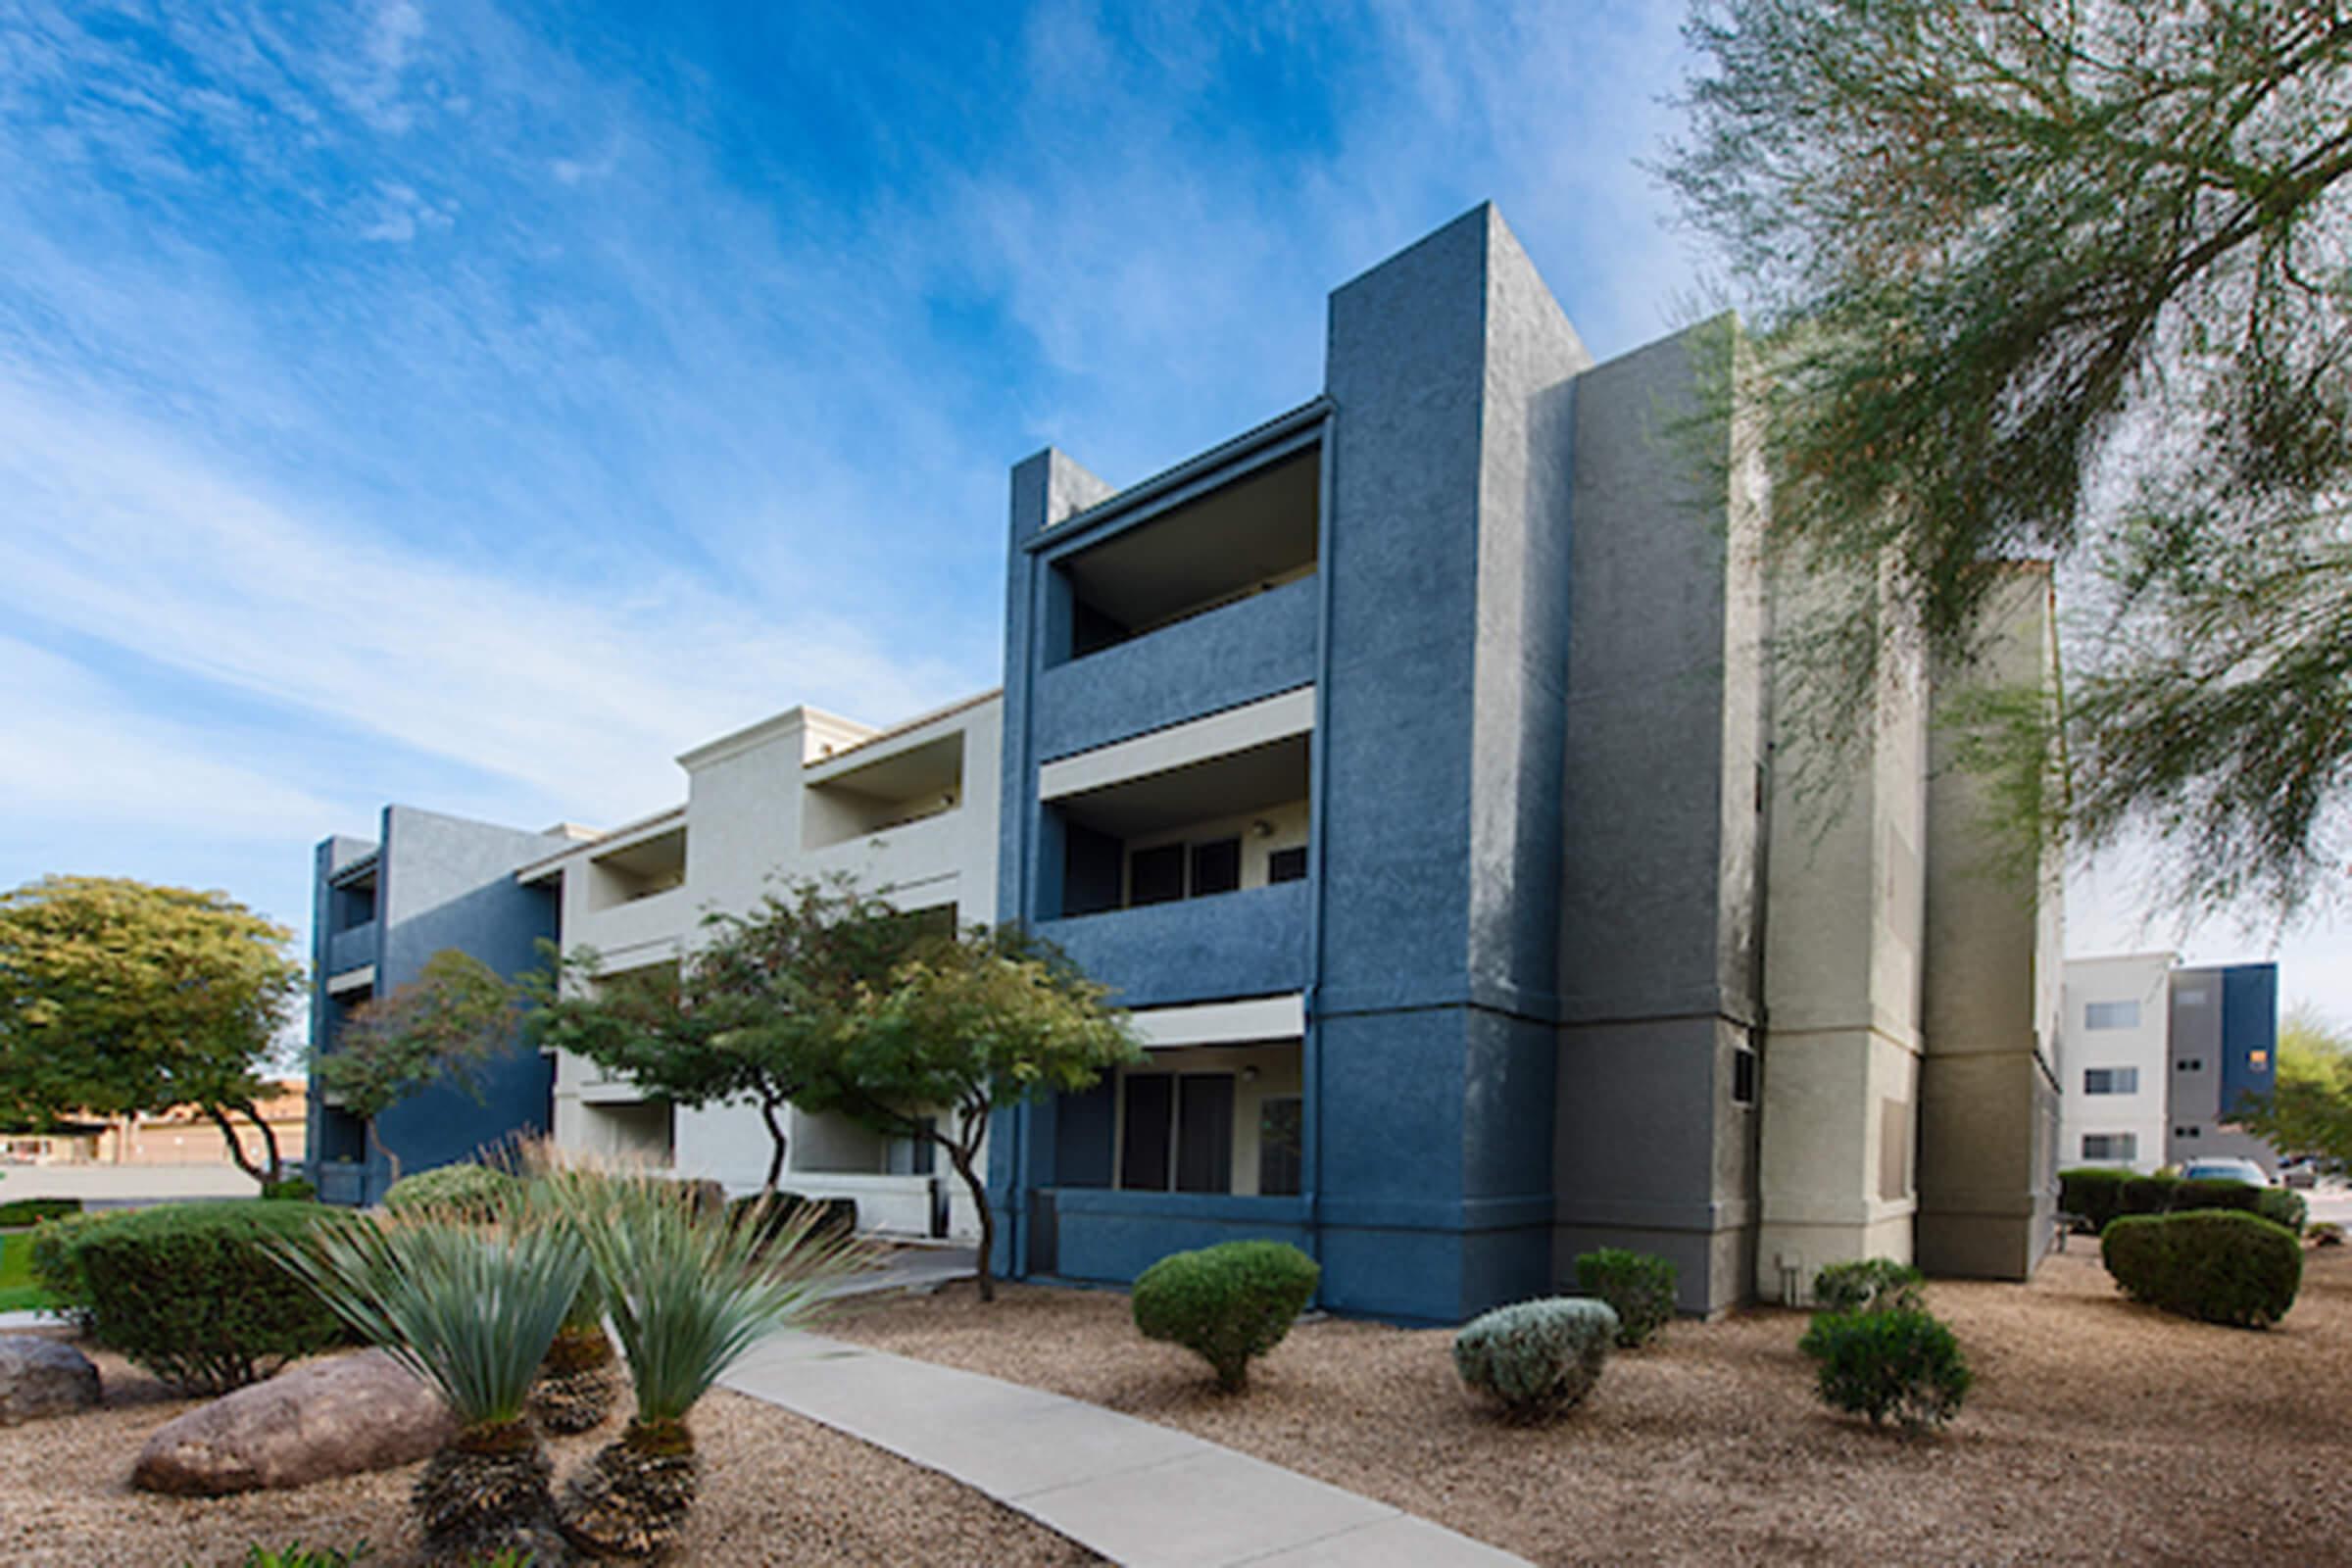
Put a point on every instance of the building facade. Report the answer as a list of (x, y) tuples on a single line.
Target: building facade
[(379, 910), (1408, 765), (909, 812), (2157, 1057)]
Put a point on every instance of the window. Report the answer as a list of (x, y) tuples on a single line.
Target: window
[(2188, 998), (1281, 1142), (2187, 1132), (2259, 1061), (1743, 1075), (1217, 867), (1144, 1151), (1184, 1122), (1287, 865), (2189, 1064), (2111, 1015), (2110, 1146), (1156, 875), (2111, 1080)]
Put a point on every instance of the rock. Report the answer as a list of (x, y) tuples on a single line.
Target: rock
[(342, 1417), (41, 1377)]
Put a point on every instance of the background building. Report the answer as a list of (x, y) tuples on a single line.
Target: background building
[(2156, 1056)]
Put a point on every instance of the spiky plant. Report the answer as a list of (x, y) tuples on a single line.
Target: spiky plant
[(689, 1292), (578, 1383), (471, 1311)]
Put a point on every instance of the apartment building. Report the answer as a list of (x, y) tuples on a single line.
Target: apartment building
[(908, 812), (379, 910), (1415, 768), (1408, 765), (2156, 1056)]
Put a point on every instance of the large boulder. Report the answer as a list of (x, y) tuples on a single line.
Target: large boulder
[(341, 1417), (41, 1377)]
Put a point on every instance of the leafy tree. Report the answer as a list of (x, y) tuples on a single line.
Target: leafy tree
[(2309, 1111), (734, 1021), (963, 1026), (2042, 278), (118, 998), (446, 1025)]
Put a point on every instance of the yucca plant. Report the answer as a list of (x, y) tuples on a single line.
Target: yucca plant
[(690, 1290), (578, 1383), (471, 1311)]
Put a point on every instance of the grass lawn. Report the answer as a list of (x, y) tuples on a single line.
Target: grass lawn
[(18, 1292), (2098, 1431)]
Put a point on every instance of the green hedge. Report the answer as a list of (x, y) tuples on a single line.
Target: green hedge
[(462, 1192), (26, 1211), (193, 1293), (1228, 1304), (2101, 1194), (2216, 1265), (56, 1270), (1639, 1288), (1901, 1364), (2094, 1192)]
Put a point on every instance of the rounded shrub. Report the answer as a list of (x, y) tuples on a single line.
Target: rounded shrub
[(462, 1192), (2148, 1195), (1537, 1359), (2215, 1265), (1901, 1364), (2215, 1192), (1228, 1304), (1873, 1284), (1639, 1288), (193, 1293), (2282, 1207), (2093, 1191), (57, 1268)]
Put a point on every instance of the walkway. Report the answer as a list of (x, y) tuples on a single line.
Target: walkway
[(1134, 1491)]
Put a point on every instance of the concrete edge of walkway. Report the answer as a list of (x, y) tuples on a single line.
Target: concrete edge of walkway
[(1129, 1490)]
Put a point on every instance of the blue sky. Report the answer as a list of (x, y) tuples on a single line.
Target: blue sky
[(476, 405)]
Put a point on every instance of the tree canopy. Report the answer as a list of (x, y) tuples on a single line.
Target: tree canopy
[(445, 1026), (2056, 279), (119, 997)]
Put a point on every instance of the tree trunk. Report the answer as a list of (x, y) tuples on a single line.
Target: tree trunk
[(391, 1161), (277, 1163), (775, 1138), (988, 1222), (237, 1144)]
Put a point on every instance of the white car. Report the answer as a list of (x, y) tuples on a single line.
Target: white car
[(2226, 1168)]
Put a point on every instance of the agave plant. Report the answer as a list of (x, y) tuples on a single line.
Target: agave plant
[(578, 1384), (471, 1311), (690, 1290)]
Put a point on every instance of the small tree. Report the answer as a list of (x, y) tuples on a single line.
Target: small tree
[(119, 997), (2309, 1108), (737, 1020), (963, 1026), (446, 1025)]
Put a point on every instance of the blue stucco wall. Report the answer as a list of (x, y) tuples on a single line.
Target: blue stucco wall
[(2249, 1024), (1234, 655), (1246, 944), (448, 882)]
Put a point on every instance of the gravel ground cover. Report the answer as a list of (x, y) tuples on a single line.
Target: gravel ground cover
[(777, 1489), (2098, 1431)]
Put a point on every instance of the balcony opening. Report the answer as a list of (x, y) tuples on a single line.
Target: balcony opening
[(1246, 538), (1225, 825), (352, 904), (855, 800), (1193, 1119), (639, 871)]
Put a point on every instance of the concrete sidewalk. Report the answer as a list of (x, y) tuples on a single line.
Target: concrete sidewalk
[(1134, 1491)]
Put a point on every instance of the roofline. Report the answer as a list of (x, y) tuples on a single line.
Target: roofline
[(906, 727), (529, 870), (1167, 487)]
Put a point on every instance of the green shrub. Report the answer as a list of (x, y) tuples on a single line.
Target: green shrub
[(2326, 1233), (192, 1293), (2094, 1192), (1901, 1363), (462, 1192), (2282, 1207), (2214, 1192), (1537, 1359), (56, 1266), (2148, 1195), (31, 1210), (2215, 1265), (293, 1190), (294, 1554), (1639, 1288), (1873, 1284), (1228, 1303), (835, 1218)]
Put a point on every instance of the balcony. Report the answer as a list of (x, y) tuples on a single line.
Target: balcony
[(1237, 653), (1251, 943), (352, 948)]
